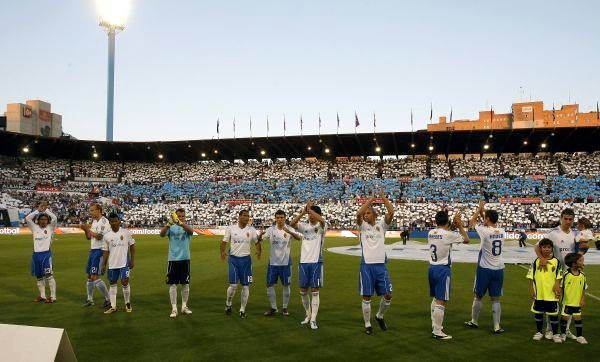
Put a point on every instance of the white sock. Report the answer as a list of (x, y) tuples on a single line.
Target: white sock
[(173, 296), (314, 306), (52, 285), (383, 307), (272, 297), (286, 296), (569, 323), (89, 286), (185, 295), (127, 293), (41, 284), (438, 318), (496, 313), (432, 309), (113, 296), (366, 309), (102, 288), (305, 302), (475, 310), (230, 294), (245, 293)]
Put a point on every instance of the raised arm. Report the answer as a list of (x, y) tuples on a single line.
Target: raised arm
[(457, 221), (297, 218), (389, 207), (361, 211), (29, 218), (310, 211), (296, 235), (476, 215), (53, 218)]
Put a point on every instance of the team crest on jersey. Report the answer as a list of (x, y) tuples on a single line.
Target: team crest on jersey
[(45, 231), (285, 235), (316, 230), (377, 228), (121, 237), (248, 235), (553, 269)]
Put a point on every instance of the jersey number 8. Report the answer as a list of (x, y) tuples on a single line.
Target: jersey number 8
[(496, 247)]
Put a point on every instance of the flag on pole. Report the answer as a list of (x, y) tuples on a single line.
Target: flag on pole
[(356, 122), (301, 124), (319, 124), (412, 129), (284, 127), (597, 111), (553, 113), (217, 127), (374, 123), (268, 126), (450, 114), (431, 112), (338, 122), (250, 126), (233, 127)]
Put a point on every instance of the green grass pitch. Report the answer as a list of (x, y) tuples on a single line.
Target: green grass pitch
[(208, 334)]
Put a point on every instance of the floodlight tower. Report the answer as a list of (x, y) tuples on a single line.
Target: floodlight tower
[(112, 18)]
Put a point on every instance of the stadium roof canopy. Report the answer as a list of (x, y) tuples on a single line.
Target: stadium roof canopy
[(582, 139)]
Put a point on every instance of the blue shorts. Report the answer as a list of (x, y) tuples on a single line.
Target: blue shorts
[(439, 281), (41, 264), (240, 270), (488, 280), (374, 278), (311, 275), (119, 273), (94, 260), (276, 272)]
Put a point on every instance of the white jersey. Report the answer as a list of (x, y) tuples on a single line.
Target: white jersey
[(564, 243), (492, 242), (117, 244), (100, 226), (312, 243), (42, 237), (280, 240), (372, 242), (440, 243), (584, 235), (240, 239)]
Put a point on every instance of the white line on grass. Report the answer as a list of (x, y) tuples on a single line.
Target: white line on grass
[(586, 293)]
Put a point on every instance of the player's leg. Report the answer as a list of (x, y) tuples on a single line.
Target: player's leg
[(564, 318), (246, 280), (480, 286), (316, 283), (172, 283), (365, 289), (442, 295), (432, 281), (98, 282), (184, 280), (271, 276), (383, 287), (47, 263), (89, 285), (37, 271), (552, 312), (578, 321), (538, 314), (233, 283), (495, 289), (126, 288), (113, 277), (286, 277), (304, 283)]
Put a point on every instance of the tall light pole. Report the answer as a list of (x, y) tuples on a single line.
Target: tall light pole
[(112, 18)]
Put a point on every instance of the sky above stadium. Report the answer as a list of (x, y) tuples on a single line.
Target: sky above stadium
[(183, 64)]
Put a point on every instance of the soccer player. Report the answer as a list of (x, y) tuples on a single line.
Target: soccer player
[(522, 239), (94, 232), (178, 266), (119, 252), (563, 239), (280, 261), (573, 296), (490, 267), (42, 223), (240, 236), (440, 241), (373, 276), (311, 259), (545, 289)]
